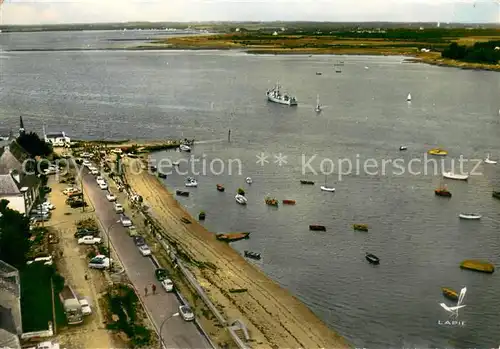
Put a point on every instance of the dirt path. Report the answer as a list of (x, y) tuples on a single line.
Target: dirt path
[(73, 266), (274, 318)]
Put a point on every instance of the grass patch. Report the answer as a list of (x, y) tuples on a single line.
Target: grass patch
[(36, 297), (123, 315)]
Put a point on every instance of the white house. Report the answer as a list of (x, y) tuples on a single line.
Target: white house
[(57, 139), (10, 190)]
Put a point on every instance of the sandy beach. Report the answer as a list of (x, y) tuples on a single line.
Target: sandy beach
[(273, 316)]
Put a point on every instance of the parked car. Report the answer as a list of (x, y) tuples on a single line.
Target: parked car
[(85, 232), (145, 250), (139, 241), (94, 171), (39, 218), (111, 197), (161, 274), (167, 285), (46, 189), (70, 190), (132, 231), (186, 313), (118, 208), (126, 222), (49, 205), (100, 179), (89, 240), (103, 186), (77, 204), (100, 262), (86, 310)]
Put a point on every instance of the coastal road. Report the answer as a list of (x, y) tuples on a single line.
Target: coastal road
[(176, 332)]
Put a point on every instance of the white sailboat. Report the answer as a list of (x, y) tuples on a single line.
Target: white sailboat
[(318, 106), (471, 216), (240, 199), (488, 160), (327, 188), (408, 98), (451, 175)]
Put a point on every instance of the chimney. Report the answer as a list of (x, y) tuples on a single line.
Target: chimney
[(15, 175)]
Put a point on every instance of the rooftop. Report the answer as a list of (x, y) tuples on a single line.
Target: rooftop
[(8, 185), (12, 157)]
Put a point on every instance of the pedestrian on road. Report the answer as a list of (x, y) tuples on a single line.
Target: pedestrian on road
[(153, 287), (145, 291)]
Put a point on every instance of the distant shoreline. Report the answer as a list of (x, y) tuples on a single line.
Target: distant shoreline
[(433, 58)]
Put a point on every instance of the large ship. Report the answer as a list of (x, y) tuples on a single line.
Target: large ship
[(276, 96)]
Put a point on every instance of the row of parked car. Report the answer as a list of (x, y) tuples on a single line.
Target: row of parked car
[(41, 212), (103, 261)]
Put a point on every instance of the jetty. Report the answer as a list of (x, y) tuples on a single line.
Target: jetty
[(477, 265)]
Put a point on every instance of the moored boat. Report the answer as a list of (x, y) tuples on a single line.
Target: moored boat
[(162, 175), (317, 227), (438, 152), (248, 180), (240, 199), (288, 202), (271, 201), (449, 293), (303, 181), (253, 255), (458, 177), (191, 182), (471, 216), (184, 147), (372, 258), (275, 95), (231, 237), (496, 194), (477, 265), (360, 227), (182, 193), (403, 147), (489, 161), (408, 98), (442, 191), (220, 187)]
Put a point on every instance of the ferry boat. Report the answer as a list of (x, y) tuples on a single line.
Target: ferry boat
[(275, 95)]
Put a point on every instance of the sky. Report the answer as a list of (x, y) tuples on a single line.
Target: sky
[(93, 11)]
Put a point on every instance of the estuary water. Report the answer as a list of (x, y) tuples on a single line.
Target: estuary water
[(99, 93)]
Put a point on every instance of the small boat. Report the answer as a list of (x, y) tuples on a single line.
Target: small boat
[(303, 181), (162, 175), (318, 106), (231, 237), (253, 255), (496, 194), (471, 216), (449, 293), (271, 201), (318, 73), (360, 227), (366, 68), (403, 147), (317, 227), (288, 202), (220, 187), (202, 215), (438, 152), (240, 199), (408, 98), (182, 193), (191, 182), (489, 161), (326, 188), (153, 168), (442, 192), (184, 147), (372, 258), (277, 96), (482, 266), (248, 180), (451, 175), (176, 163)]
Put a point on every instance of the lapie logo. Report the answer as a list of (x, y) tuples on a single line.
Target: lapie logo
[(454, 311)]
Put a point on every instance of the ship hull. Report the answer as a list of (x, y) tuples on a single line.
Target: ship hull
[(280, 101)]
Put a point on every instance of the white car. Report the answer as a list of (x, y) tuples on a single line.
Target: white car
[(94, 171), (168, 285), (100, 262), (126, 222), (118, 208), (103, 186), (89, 240), (86, 163), (86, 310), (186, 312), (48, 205), (111, 197), (145, 250), (70, 190)]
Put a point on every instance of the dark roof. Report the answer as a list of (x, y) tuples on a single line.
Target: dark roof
[(12, 157), (54, 134), (29, 181)]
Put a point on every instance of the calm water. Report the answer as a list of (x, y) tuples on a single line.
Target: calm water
[(419, 238)]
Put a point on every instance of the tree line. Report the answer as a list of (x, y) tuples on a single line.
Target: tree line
[(481, 52)]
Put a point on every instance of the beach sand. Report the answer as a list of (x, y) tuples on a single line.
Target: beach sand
[(274, 318)]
